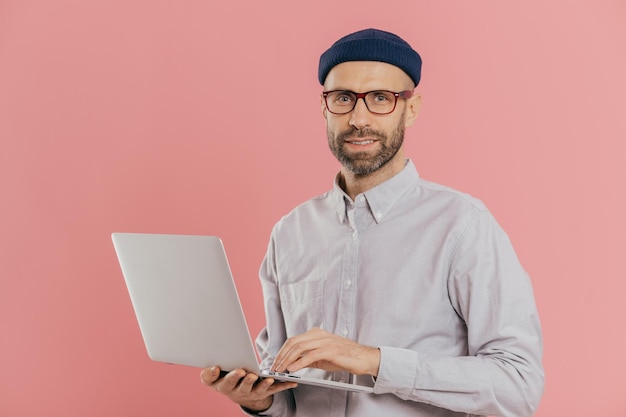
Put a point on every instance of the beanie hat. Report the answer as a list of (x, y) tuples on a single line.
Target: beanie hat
[(372, 45)]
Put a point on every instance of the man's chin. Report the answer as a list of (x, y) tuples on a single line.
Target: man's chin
[(362, 166)]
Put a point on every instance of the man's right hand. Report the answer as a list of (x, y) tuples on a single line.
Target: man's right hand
[(245, 388)]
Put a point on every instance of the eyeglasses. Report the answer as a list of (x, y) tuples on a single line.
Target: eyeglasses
[(377, 102)]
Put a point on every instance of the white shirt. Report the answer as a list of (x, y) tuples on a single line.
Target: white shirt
[(424, 273)]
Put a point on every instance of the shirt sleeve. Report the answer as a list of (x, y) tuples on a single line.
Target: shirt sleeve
[(273, 335), (502, 374), (280, 407)]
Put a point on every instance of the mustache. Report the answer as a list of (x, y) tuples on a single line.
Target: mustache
[(360, 133)]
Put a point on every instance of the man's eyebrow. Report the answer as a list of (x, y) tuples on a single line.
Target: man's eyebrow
[(353, 91)]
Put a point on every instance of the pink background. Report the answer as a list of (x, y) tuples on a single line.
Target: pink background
[(203, 117)]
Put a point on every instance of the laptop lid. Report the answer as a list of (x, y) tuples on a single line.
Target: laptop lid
[(185, 300), (186, 303)]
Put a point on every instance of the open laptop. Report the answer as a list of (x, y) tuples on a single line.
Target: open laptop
[(187, 305)]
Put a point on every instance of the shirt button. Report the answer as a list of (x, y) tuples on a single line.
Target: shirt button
[(348, 283), (344, 332)]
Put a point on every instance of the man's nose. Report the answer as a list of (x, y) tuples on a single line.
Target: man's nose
[(360, 116)]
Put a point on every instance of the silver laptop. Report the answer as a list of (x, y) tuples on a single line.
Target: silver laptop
[(187, 306)]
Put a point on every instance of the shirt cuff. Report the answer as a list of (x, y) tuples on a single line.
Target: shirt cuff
[(397, 371), (279, 407)]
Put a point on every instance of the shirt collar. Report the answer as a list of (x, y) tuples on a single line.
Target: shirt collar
[(381, 198)]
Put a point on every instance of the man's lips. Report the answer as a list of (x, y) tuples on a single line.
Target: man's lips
[(360, 141)]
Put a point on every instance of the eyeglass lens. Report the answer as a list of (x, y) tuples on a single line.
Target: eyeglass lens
[(379, 102)]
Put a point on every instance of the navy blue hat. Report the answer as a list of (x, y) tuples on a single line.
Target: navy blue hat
[(372, 45)]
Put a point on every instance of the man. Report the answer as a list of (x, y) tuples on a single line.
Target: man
[(388, 279)]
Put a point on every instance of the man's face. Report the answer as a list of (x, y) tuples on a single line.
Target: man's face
[(364, 142)]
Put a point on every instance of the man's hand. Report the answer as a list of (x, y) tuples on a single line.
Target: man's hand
[(320, 349), (244, 388)]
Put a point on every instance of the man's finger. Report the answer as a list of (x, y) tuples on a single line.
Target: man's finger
[(296, 349), (247, 383), (210, 375)]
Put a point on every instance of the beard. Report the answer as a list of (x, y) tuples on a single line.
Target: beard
[(365, 163)]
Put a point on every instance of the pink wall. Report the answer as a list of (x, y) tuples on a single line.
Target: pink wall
[(163, 116)]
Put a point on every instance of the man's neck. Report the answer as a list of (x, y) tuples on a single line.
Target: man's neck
[(354, 184)]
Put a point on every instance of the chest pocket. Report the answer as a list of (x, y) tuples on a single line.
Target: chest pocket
[(302, 305)]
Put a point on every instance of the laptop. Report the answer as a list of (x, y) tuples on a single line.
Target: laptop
[(187, 306)]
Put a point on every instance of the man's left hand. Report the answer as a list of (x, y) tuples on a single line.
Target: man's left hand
[(318, 348)]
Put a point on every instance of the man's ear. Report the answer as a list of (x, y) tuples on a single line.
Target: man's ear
[(412, 109)]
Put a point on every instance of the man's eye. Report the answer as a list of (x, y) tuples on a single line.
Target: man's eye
[(344, 98), (381, 98)]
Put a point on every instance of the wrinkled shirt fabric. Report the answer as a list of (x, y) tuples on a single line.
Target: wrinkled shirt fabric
[(422, 272)]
